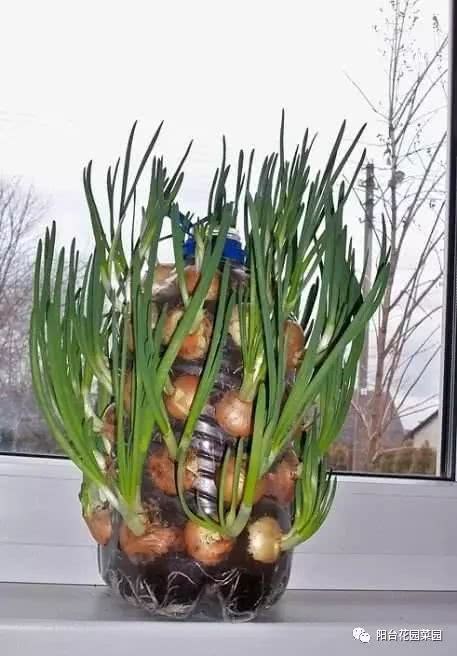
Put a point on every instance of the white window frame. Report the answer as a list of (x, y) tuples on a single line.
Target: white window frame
[(382, 533)]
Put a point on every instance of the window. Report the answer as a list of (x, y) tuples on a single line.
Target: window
[(232, 68)]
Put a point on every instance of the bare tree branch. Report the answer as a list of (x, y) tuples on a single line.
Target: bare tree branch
[(409, 192)]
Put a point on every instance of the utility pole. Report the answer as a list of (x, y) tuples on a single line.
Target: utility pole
[(360, 436), (366, 282)]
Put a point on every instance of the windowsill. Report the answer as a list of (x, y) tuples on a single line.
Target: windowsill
[(66, 620)]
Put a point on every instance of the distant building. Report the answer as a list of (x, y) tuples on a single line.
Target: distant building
[(419, 453), (428, 430)]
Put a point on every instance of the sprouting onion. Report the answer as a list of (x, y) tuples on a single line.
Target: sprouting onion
[(280, 482), (98, 327), (79, 339), (156, 540), (314, 496), (234, 413), (192, 276), (300, 265), (234, 410), (234, 477), (161, 469), (96, 513), (195, 343), (99, 523), (265, 537), (207, 546), (180, 395)]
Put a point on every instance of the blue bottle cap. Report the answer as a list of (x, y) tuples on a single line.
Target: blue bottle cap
[(232, 248)]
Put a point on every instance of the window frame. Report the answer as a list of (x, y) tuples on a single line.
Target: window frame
[(449, 316), (374, 538)]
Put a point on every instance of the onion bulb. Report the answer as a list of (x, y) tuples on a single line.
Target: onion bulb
[(162, 470), (281, 481), (228, 484), (234, 415), (295, 344), (163, 273), (206, 546), (100, 525), (172, 319), (109, 423), (194, 345), (157, 540), (192, 276), (179, 402), (265, 540)]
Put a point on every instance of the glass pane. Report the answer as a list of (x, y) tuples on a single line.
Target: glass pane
[(393, 425), (72, 92)]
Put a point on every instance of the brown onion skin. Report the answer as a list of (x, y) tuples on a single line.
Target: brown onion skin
[(172, 319), (228, 484), (162, 273), (295, 344), (180, 401), (264, 536), (234, 415), (208, 547), (109, 423), (195, 345), (280, 483), (156, 541), (192, 276), (100, 525), (162, 470)]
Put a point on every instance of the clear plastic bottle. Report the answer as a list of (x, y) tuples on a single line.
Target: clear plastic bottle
[(175, 584)]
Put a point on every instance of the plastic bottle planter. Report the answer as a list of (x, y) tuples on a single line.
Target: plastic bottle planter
[(199, 401), (209, 577)]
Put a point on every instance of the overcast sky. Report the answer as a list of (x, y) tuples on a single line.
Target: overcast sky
[(75, 75)]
